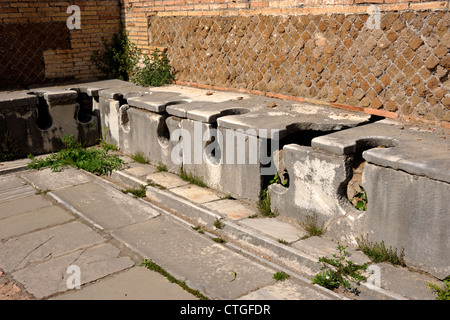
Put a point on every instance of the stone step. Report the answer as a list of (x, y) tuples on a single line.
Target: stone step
[(39, 244), (142, 224)]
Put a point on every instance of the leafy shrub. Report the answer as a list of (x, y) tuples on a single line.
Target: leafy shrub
[(123, 60), (344, 271), (119, 56), (156, 71)]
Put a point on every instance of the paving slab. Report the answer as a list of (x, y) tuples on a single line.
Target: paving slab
[(206, 265), (23, 204), (232, 209), (195, 193), (106, 207), (12, 187), (319, 247), (22, 223), (18, 252), (287, 290), (167, 179), (408, 284), (275, 228), (140, 170), (53, 276), (137, 283), (46, 179)]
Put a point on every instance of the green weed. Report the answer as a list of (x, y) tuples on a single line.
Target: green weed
[(312, 227), (281, 276), (191, 178), (136, 192), (161, 167), (263, 204), (149, 264), (218, 223), (377, 252), (139, 157), (360, 200), (442, 293), (96, 161), (341, 274)]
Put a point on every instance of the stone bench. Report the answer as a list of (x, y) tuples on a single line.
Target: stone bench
[(406, 176), (226, 139), (38, 119)]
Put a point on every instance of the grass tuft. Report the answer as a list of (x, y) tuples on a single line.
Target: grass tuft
[(139, 158), (191, 178), (94, 160), (377, 252), (149, 264)]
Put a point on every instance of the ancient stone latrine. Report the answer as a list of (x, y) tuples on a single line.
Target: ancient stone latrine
[(335, 76)]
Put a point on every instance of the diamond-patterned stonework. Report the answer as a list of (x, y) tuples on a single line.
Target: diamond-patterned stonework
[(21, 51), (402, 66)]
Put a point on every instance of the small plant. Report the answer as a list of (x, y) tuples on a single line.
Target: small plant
[(199, 229), (264, 199), (312, 227), (155, 185), (39, 191), (107, 146), (118, 58), (263, 205), (442, 293), (282, 241), (136, 192), (149, 264), (139, 157), (219, 240), (161, 167), (281, 276), (218, 223), (96, 161), (377, 252), (359, 200), (122, 59), (344, 270), (191, 178), (155, 71)]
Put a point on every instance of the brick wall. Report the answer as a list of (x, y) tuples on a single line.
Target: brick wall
[(320, 50), (37, 47)]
